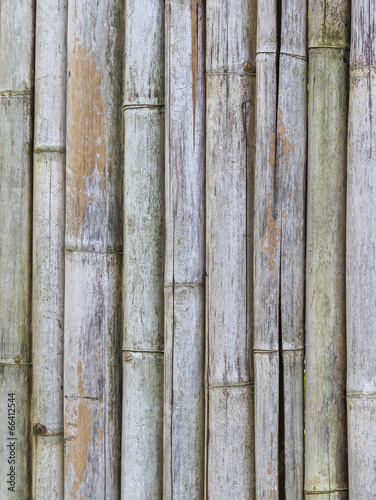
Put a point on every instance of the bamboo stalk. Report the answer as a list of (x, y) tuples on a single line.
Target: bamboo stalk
[(185, 261), (230, 85), (16, 104), (291, 165), (143, 342), (48, 249), (361, 276), (93, 316), (326, 449)]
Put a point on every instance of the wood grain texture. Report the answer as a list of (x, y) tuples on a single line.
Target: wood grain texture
[(326, 433), (184, 255), (94, 234), (143, 342), (16, 111), (48, 249), (361, 276)]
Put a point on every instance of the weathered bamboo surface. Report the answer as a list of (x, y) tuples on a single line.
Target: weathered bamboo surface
[(326, 434), (16, 131), (230, 87), (143, 343), (361, 275), (185, 247), (94, 222), (48, 249)]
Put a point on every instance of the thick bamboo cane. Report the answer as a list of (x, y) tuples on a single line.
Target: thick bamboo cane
[(48, 249), (93, 316), (230, 65), (326, 448), (291, 165), (267, 233), (143, 343), (185, 262), (361, 254), (16, 100)]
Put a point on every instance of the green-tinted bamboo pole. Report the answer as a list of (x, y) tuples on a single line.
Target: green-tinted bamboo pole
[(48, 249), (230, 87), (142, 472), (326, 443), (94, 222), (16, 129), (361, 254), (291, 165), (185, 247)]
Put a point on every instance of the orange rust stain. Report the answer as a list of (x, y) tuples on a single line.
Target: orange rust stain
[(194, 20), (271, 239), (272, 151)]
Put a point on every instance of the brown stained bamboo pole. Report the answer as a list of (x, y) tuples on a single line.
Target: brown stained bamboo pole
[(230, 87), (48, 249), (185, 247), (326, 448), (291, 165), (16, 111), (94, 222), (361, 276), (267, 233), (143, 341)]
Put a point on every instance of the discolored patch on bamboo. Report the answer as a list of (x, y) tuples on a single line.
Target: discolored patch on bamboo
[(286, 146), (270, 243), (194, 18)]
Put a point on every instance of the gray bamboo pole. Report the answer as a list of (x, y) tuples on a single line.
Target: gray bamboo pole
[(48, 249), (267, 233), (94, 222), (230, 88), (16, 130), (291, 165), (185, 247), (143, 344), (326, 444), (361, 275)]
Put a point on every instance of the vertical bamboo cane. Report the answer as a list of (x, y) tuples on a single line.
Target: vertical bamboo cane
[(93, 316), (326, 448), (230, 63), (291, 165), (48, 249), (267, 233), (142, 475), (185, 263), (16, 99), (361, 275)]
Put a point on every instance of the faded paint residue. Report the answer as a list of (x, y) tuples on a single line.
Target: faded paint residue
[(194, 20)]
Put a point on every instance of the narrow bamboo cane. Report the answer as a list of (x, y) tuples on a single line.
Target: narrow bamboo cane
[(230, 86), (48, 249), (143, 343), (185, 262), (326, 449), (93, 316), (16, 129), (361, 275), (267, 233), (291, 165)]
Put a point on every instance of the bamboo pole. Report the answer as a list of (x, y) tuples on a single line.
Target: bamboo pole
[(361, 276), (16, 104), (267, 232), (326, 448), (143, 342), (48, 249), (291, 165), (185, 262), (230, 86), (93, 315)]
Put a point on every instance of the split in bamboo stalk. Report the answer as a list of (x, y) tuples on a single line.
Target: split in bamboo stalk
[(143, 342), (361, 273), (16, 130), (326, 443), (185, 262), (94, 222), (230, 87)]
